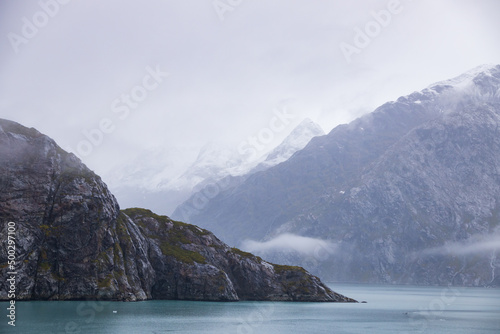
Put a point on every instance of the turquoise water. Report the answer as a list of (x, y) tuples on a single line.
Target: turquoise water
[(389, 309)]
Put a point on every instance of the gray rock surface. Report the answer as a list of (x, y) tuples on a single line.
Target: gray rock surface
[(395, 190), (73, 242)]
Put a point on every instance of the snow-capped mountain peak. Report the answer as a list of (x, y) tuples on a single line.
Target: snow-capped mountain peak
[(482, 82), (295, 141), (467, 79), (213, 162)]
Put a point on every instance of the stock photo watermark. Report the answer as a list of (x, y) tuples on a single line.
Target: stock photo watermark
[(12, 273), (259, 141), (255, 319), (249, 149), (434, 309), (222, 7), (88, 311), (364, 36), (30, 26), (121, 107)]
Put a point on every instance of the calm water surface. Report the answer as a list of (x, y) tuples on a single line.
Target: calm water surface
[(389, 309)]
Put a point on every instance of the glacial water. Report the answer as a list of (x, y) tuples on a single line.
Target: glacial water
[(389, 309)]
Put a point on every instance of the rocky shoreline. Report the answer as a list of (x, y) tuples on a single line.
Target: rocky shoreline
[(74, 243)]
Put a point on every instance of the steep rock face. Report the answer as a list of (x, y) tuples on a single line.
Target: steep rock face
[(393, 190), (65, 219), (265, 200), (424, 211), (74, 243), (207, 269)]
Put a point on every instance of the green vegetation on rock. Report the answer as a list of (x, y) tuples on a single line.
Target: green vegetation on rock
[(279, 268), (245, 254), (50, 230), (139, 212), (134, 212), (71, 173), (44, 265), (79, 246), (106, 282), (181, 254)]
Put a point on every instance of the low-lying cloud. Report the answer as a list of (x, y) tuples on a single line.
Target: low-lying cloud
[(473, 245), (291, 243)]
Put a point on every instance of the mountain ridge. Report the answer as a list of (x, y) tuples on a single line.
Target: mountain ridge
[(74, 243), (158, 181), (316, 193)]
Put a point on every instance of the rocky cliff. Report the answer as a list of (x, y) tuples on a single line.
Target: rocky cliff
[(73, 242), (409, 193)]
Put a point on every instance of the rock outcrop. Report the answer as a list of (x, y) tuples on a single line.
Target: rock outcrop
[(73, 242), (409, 193)]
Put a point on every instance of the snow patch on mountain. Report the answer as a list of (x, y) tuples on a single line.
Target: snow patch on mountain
[(467, 78), (174, 174), (297, 140)]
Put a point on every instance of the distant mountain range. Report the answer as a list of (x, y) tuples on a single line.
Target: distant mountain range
[(153, 180), (69, 240), (409, 193)]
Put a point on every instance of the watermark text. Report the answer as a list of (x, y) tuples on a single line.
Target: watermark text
[(12, 273)]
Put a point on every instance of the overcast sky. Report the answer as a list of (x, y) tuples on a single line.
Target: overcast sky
[(68, 68)]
